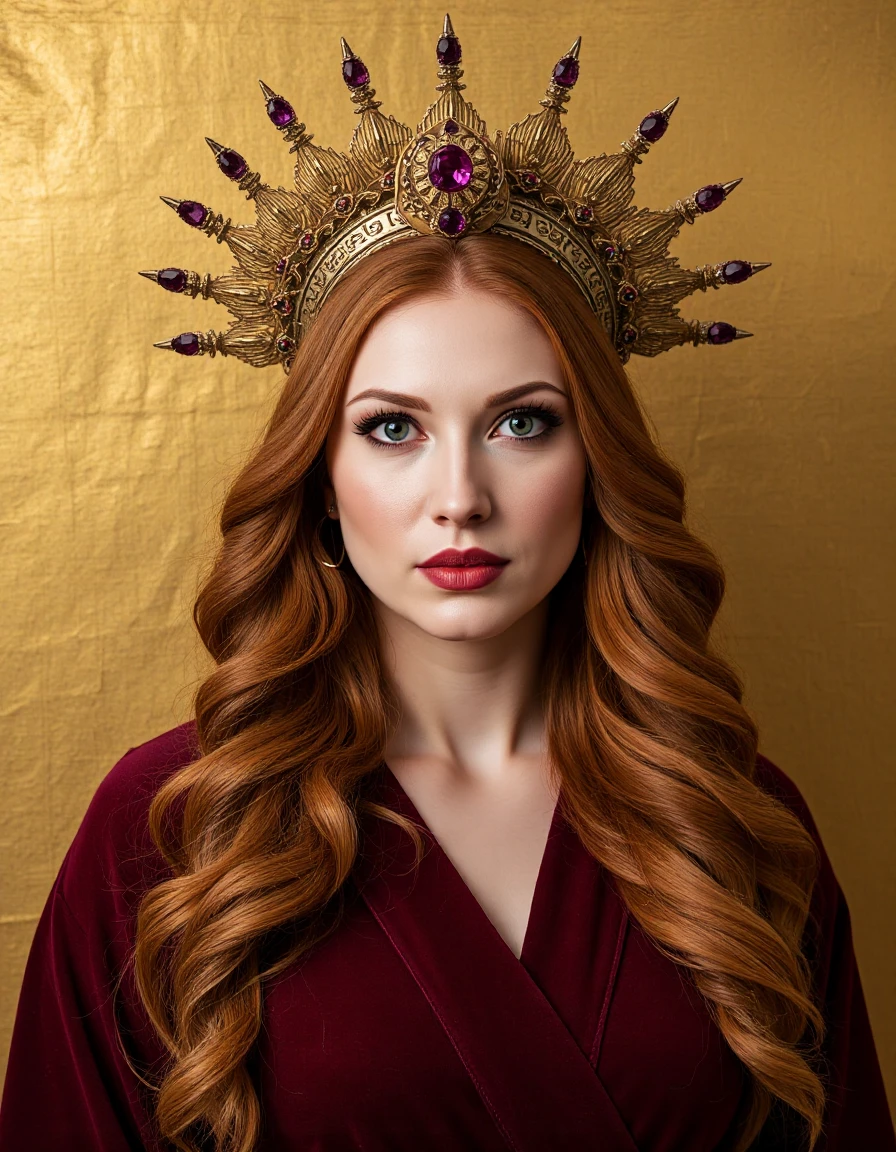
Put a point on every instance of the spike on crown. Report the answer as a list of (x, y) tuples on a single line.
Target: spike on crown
[(450, 179)]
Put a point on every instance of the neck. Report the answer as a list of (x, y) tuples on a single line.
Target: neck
[(471, 706)]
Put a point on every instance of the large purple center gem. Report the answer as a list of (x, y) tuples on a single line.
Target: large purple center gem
[(450, 168)]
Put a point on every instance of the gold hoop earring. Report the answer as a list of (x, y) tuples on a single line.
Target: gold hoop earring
[(327, 563)]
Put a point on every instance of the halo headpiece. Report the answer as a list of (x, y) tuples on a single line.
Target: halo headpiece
[(449, 178)]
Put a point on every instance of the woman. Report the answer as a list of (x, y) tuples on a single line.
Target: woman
[(455, 609)]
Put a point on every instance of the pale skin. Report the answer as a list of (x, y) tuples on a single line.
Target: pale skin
[(462, 466)]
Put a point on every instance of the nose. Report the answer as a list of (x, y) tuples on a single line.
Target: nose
[(458, 488)]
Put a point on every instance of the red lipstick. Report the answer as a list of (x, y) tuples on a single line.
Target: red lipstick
[(463, 571)]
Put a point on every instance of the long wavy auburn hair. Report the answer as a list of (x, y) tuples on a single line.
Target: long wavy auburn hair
[(646, 730)]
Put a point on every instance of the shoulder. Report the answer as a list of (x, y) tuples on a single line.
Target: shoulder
[(828, 903), (774, 781), (113, 856)]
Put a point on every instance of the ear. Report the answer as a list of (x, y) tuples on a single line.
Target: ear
[(330, 501)]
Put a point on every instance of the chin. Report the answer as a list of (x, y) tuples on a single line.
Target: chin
[(460, 621)]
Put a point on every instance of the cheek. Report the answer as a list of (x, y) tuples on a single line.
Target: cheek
[(374, 502), (547, 501)]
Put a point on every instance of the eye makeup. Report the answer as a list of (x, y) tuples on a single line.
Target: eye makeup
[(542, 410)]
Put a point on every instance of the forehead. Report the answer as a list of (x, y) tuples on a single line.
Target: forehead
[(469, 339)]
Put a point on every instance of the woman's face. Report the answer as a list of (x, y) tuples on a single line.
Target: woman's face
[(456, 433)]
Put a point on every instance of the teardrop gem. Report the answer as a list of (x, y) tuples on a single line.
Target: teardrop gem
[(172, 279), (736, 271), (653, 127), (448, 51), (709, 197), (354, 73), (720, 333), (192, 212), (566, 72), (280, 112), (187, 343), (232, 164)]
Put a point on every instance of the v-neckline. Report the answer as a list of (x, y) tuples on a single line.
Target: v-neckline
[(528, 1029), (407, 807)]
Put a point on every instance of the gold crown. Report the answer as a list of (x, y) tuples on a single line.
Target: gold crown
[(450, 179)]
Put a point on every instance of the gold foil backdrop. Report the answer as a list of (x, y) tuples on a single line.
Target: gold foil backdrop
[(115, 455)]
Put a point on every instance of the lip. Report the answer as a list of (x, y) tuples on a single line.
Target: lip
[(468, 557), (463, 571)]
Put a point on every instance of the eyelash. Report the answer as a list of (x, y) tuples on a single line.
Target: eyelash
[(544, 411)]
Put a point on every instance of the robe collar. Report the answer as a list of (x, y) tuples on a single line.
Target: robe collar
[(527, 1030)]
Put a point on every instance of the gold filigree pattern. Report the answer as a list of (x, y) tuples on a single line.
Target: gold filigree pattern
[(449, 178)]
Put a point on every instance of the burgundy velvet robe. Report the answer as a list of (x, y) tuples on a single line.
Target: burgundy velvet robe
[(413, 1026)]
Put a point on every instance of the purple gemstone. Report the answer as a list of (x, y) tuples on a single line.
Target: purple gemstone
[(653, 127), (736, 271), (450, 168), (720, 333), (280, 112), (232, 164), (448, 50), (451, 127), (281, 264), (354, 73), (187, 344), (710, 197), (192, 212), (566, 72), (452, 222), (173, 279)]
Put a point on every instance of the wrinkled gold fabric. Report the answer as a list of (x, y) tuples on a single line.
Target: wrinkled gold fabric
[(115, 455)]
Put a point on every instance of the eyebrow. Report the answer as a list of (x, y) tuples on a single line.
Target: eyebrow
[(493, 401)]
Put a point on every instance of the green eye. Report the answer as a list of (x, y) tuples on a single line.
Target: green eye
[(521, 425), (396, 430)]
